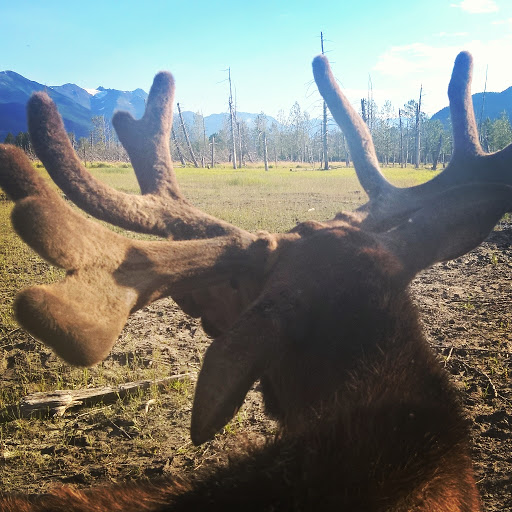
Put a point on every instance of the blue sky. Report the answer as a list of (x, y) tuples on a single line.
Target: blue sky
[(268, 44)]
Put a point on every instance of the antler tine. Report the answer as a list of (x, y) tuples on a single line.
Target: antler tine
[(389, 205), (465, 133), (147, 140), (17, 176), (161, 210), (358, 136)]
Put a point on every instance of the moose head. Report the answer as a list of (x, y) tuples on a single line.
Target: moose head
[(320, 314)]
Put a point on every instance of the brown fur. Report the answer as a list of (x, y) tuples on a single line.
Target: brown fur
[(369, 421)]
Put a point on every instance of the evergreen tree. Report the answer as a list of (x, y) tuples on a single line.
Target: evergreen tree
[(9, 139)]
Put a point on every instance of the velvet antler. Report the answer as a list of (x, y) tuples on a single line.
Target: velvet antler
[(108, 275)]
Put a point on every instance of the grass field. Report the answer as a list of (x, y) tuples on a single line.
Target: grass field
[(275, 200)]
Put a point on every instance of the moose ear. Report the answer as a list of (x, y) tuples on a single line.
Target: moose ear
[(232, 363), (451, 225)]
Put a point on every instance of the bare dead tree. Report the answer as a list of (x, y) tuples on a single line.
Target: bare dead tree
[(189, 146), (176, 145), (232, 120), (212, 144), (417, 141), (240, 147), (401, 139), (205, 146), (482, 108), (370, 114), (324, 120), (265, 154)]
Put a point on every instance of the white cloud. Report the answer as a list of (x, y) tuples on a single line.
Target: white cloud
[(408, 59), (452, 34), (400, 70), (503, 22), (477, 6)]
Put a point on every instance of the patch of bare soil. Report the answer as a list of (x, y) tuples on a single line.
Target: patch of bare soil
[(466, 311), (466, 306)]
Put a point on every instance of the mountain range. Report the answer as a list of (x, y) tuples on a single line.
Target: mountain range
[(77, 106), (494, 103)]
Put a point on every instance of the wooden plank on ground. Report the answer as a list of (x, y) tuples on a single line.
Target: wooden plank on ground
[(56, 403)]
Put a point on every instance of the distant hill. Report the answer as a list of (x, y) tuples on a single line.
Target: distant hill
[(495, 103), (215, 122), (15, 90), (77, 106)]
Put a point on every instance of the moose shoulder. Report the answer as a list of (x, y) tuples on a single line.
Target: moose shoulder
[(320, 315)]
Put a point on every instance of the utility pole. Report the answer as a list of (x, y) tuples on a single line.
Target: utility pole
[(324, 123), (232, 121), (186, 138)]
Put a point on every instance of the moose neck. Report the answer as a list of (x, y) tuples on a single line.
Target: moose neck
[(357, 340)]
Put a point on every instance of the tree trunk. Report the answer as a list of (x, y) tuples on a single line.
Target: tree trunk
[(265, 156), (205, 147), (186, 137), (418, 131), (324, 124), (240, 159), (173, 135), (232, 121), (326, 156), (401, 157), (406, 160)]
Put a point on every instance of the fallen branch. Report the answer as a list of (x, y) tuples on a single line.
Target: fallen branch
[(56, 403)]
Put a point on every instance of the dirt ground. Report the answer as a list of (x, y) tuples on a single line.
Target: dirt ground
[(466, 309), (466, 306)]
